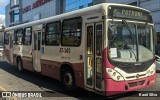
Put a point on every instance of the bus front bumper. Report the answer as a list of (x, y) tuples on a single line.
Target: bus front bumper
[(116, 87)]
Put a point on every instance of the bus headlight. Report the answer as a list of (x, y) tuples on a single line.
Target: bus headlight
[(151, 70), (114, 74)]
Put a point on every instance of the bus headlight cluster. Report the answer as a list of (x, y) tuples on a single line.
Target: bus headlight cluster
[(151, 70), (114, 75)]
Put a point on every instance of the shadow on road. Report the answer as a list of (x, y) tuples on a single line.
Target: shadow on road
[(53, 87)]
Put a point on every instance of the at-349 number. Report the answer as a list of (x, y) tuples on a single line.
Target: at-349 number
[(64, 50)]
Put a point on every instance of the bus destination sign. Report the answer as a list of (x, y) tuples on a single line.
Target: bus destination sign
[(129, 13)]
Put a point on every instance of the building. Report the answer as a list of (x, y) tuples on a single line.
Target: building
[(22, 11), (70, 5)]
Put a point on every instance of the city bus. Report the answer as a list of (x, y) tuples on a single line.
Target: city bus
[(106, 48)]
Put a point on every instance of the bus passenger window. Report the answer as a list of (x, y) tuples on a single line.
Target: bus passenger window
[(6, 38), (27, 36), (18, 36), (52, 35), (71, 32)]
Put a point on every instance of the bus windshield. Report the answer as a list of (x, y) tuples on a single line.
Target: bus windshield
[(130, 42)]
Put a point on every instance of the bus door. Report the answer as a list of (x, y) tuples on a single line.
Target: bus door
[(36, 53), (11, 48), (94, 45)]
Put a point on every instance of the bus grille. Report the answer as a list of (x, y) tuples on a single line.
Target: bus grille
[(133, 84), (131, 77)]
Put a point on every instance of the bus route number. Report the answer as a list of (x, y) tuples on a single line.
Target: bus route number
[(64, 50)]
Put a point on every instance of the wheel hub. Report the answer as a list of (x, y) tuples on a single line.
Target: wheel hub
[(68, 79)]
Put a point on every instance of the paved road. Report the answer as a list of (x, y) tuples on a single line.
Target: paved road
[(12, 80)]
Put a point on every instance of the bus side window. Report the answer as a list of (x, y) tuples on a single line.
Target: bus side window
[(27, 36), (71, 32), (52, 34), (6, 39), (18, 36)]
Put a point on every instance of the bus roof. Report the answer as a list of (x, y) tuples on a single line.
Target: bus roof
[(88, 10)]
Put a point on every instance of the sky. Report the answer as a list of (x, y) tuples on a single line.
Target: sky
[(3, 3)]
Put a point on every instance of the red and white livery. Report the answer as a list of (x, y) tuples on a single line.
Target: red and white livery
[(106, 48)]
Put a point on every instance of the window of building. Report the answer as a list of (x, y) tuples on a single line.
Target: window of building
[(18, 37), (71, 32), (6, 38), (80, 7), (52, 36), (133, 3), (15, 15), (27, 36), (90, 4), (71, 5)]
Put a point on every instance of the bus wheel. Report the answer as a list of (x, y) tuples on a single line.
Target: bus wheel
[(68, 79), (20, 65)]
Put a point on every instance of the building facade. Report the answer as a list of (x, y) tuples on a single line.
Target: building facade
[(22, 11), (70, 5)]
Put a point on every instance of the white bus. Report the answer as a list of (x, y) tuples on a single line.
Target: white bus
[(106, 48)]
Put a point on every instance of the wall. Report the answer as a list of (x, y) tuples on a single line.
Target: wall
[(46, 10), (154, 7)]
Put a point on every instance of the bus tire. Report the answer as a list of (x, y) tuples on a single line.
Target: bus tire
[(68, 79), (20, 65)]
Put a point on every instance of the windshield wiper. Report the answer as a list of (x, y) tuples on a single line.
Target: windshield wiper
[(131, 36), (129, 29), (127, 26)]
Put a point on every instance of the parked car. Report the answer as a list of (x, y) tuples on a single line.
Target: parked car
[(1, 50)]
